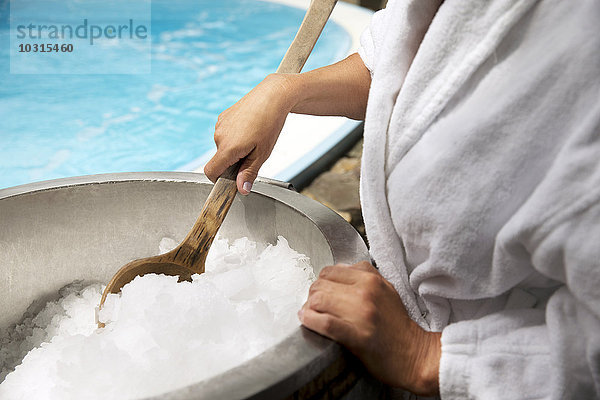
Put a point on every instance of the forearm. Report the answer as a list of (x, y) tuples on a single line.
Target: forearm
[(338, 89)]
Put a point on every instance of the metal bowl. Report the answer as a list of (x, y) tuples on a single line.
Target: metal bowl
[(108, 220)]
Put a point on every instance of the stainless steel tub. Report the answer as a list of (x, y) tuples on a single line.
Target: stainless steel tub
[(55, 232)]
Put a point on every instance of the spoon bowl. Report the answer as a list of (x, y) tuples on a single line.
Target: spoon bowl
[(144, 266)]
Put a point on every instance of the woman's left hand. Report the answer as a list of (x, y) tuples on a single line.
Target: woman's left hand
[(356, 307)]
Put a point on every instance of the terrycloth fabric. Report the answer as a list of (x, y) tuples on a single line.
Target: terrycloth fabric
[(481, 187)]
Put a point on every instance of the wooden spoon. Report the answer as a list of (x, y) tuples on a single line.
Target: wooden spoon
[(189, 257)]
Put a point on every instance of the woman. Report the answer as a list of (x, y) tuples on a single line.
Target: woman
[(480, 190)]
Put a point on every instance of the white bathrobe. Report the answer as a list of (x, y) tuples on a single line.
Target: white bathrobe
[(481, 187)]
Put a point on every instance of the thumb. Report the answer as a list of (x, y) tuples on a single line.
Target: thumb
[(248, 173)]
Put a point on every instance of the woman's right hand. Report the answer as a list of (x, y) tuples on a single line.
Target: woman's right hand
[(249, 129)]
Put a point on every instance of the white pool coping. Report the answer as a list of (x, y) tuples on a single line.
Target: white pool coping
[(306, 138)]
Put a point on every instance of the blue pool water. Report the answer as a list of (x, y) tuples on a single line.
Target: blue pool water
[(206, 54)]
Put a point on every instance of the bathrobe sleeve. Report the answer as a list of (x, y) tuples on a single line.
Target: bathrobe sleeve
[(552, 350), (371, 35), (408, 20)]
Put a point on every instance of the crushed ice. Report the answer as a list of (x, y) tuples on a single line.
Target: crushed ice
[(160, 334)]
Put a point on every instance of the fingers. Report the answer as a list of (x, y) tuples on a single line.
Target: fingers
[(327, 325), (347, 274), (228, 151), (366, 266), (331, 298), (247, 173), (219, 163), (343, 304)]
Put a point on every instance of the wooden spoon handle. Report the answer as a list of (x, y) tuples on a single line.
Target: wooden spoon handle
[(314, 20), (192, 252)]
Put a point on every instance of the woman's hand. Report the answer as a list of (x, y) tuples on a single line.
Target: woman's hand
[(249, 129), (355, 306)]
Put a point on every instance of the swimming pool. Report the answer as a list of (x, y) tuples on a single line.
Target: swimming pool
[(205, 56)]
